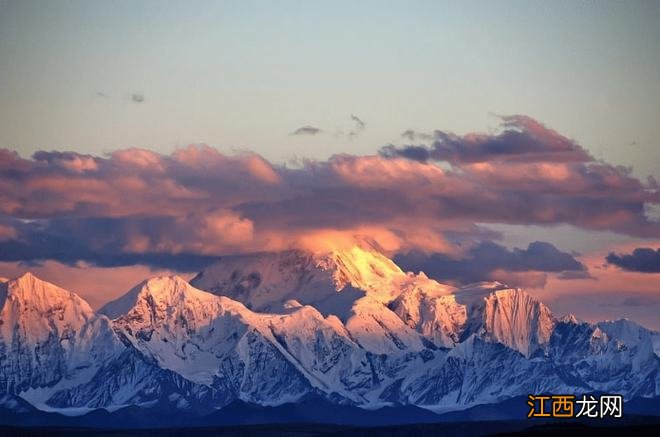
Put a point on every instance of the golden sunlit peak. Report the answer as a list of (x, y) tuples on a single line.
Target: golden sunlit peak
[(361, 266), (327, 241)]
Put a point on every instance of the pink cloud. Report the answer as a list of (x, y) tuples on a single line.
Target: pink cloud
[(198, 201)]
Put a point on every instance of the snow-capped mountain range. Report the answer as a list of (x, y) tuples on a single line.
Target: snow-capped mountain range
[(348, 326)]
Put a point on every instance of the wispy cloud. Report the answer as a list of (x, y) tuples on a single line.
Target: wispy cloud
[(413, 135), (131, 97), (358, 127), (306, 130), (359, 124)]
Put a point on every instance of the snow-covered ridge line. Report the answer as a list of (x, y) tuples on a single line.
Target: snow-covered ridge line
[(272, 328)]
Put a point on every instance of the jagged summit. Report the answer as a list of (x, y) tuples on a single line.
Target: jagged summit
[(362, 268), (39, 296), (514, 318), (264, 281), (167, 289), (569, 318), (370, 293), (49, 337)]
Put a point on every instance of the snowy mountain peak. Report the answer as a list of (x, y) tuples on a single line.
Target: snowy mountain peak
[(170, 289), (369, 292), (48, 336), (163, 290), (328, 280), (489, 310), (569, 318), (40, 295), (514, 318), (360, 268)]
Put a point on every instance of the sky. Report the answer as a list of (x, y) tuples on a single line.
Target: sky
[(454, 133)]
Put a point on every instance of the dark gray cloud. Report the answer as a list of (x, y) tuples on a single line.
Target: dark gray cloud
[(642, 259), (98, 241), (137, 97), (307, 130), (414, 153), (483, 260), (522, 139)]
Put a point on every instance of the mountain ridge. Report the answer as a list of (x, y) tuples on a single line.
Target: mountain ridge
[(368, 335)]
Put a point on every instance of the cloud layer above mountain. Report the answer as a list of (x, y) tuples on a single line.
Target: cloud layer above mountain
[(642, 259), (490, 261), (180, 210)]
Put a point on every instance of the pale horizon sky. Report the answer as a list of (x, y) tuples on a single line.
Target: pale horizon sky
[(244, 75)]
